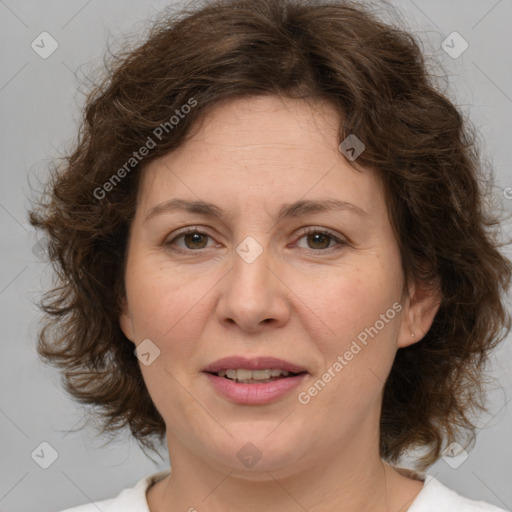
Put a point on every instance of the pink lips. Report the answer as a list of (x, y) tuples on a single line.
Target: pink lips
[(257, 393), (255, 363)]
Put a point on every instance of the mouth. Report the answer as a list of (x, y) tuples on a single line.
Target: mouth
[(255, 376), (254, 381), (256, 369)]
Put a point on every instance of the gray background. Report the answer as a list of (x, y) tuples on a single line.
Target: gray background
[(39, 109)]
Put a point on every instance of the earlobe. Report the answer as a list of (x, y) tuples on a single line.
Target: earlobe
[(125, 321), (421, 307)]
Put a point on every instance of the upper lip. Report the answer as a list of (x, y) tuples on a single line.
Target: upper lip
[(255, 363)]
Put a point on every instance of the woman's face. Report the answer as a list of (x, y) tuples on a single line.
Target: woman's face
[(252, 284)]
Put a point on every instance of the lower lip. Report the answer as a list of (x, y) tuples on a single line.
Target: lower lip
[(257, 393)]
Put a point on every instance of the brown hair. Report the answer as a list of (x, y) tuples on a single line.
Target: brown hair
[(415, 139)]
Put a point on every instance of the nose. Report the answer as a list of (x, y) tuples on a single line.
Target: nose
[(253, 295)]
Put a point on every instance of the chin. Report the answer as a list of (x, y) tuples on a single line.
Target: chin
[(257, 448)]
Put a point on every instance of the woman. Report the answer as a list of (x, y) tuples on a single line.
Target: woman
[(274, 255)]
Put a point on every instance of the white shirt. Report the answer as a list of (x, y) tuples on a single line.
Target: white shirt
[(434, 497)]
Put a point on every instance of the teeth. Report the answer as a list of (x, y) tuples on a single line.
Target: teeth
[(261, 374), (243, 375), (230, 374)]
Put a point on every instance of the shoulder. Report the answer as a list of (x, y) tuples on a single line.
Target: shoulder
[(435, 497), (132, 499)]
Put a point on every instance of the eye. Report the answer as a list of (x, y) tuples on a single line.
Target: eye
[(192, 238), (320, 240)]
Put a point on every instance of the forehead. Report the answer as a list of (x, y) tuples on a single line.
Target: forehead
[(264, 117), (263, 150)]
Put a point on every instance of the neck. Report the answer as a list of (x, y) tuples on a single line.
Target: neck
[(352, 479)]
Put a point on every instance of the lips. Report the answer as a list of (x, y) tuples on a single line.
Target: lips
[(257, 363), (255, 381)]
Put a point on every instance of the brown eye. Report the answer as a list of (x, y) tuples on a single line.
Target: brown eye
[(190, 240), (319, 240), (195, 240)]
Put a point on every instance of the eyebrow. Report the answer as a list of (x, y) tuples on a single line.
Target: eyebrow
[(296, 209)]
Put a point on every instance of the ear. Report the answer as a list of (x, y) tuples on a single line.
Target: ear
[(421, 305), (125, 320)]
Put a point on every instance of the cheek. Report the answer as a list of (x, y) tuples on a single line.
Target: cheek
[(349, 301), (165, 305), (359, 310)]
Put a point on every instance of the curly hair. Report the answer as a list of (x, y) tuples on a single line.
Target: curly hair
[(417, 142)]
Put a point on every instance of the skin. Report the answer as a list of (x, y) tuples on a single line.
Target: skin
[(303, 300)]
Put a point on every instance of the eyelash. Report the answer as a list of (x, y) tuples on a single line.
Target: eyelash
[(305, 232)]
